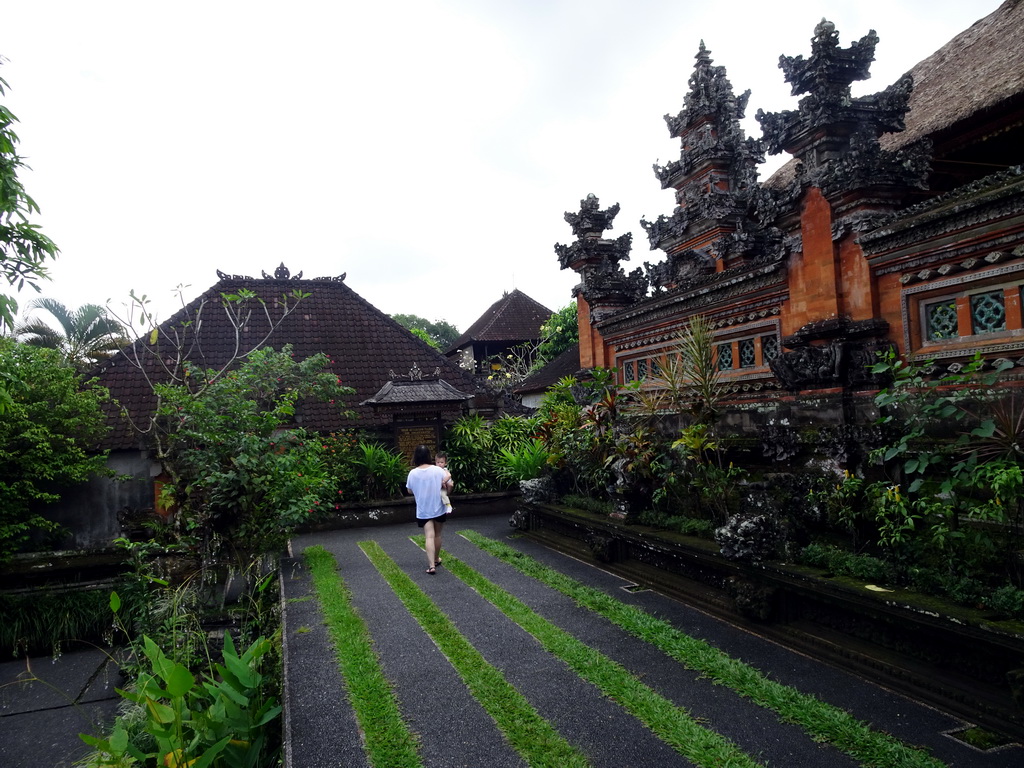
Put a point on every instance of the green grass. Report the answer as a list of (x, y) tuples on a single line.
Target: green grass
[(672, 724), (533, 737), (388, 740), (822, 721)]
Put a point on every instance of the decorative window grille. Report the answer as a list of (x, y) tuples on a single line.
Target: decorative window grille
[(940, 319), (655, 367), (769, 347), (988, 314), (641, 369), (747, 358), (724, 356), (629, 371)]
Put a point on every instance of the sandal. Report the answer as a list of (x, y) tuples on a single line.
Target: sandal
[(437, 562), (431, 570)]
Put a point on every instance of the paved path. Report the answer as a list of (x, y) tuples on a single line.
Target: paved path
[(39, 721), (453, 728), (45, 703)]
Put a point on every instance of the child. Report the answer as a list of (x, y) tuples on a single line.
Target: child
[(441, 460)]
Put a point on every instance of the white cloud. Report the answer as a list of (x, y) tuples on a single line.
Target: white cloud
[(427, 148)]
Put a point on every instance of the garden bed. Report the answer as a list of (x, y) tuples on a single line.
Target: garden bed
[(963, 661), (404, 511)]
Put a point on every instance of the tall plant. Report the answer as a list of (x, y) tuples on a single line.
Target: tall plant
[(48, 438), (697, 357), (240, 478), (83, 336)]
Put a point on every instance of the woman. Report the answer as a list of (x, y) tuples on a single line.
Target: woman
[(425, 482)]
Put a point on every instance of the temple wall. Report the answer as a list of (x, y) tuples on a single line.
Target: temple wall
[(858, 290), (813, 273), (587, 333)]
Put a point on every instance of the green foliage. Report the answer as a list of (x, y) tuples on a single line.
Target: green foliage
[(577, 438), (688, 526), (527, 462), (717, 486), (51, 426), (470, 454), (215, 722), (42, 621), (383, 472), (558, 333), (481, 453), (85, 336), (240, 480), (841, 562), (422, 335), (439, 334), (697, 359), (957, 500), (24, 249), (588, 504)]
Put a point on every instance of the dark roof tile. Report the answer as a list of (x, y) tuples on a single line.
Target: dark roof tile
[(367, 349), (515, 317)]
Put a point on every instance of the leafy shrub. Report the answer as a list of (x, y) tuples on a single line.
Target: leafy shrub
[(479, 453), (688, 526), (382, 472), (47, 431), (589, 504), (527, 462), (1008, 601), (220, 720), (41, 622), (840, 562), (239, 480)]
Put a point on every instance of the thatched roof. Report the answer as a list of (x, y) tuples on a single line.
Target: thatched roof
[(977, 70)]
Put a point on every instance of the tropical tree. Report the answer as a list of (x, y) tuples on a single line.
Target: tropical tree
[(440, 333), (24, 249), (47, 437), (83, 336), (558, 334)]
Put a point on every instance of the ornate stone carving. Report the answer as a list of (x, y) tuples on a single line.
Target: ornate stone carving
[(597, 259), (282, 273), (717, 168), (835, 135), (679, 270), (830, 353)]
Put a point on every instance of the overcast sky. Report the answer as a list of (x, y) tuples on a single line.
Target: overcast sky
[(427, 148)]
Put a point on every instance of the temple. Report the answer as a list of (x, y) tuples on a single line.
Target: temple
[(898, 223)]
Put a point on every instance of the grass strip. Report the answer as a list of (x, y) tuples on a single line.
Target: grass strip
[(388, 741), (533, 737), (823, 722), (672, 724)]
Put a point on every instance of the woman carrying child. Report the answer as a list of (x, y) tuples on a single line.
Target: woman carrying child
[(425, 482)]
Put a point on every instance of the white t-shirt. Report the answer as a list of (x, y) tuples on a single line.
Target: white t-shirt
[(425, 485)]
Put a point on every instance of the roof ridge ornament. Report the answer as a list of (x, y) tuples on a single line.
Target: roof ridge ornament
[(415, 373), (282, 273)]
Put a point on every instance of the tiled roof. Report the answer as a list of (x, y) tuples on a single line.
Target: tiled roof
[(566, 364), (437, 391), (515, 317), (367, 349)]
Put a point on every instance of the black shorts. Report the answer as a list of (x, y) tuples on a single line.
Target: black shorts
[(439, 519)]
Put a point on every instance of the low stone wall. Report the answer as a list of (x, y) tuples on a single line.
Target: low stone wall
[(404, 511), (960, 660)]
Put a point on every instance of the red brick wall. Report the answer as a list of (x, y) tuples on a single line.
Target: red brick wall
[(814, 273)]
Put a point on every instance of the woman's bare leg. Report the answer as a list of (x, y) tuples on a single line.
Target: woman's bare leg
[(432, 545)]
